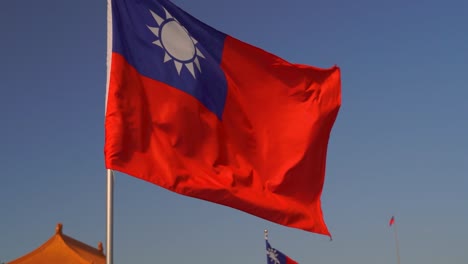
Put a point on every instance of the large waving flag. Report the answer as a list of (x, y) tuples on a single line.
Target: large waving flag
[(275, 256), (205, 115)]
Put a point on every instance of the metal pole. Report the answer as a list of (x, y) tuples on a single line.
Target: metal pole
[(110, 175), (396, 243), (110, 216)]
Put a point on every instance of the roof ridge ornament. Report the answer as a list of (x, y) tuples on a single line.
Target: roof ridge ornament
[(100, 247), (58, 229)]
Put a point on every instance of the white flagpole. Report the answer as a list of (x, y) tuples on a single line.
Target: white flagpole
[(110, 175), (110, 216)]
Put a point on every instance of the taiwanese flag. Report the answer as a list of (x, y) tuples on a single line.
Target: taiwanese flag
[(203, 114), (276, 257), (392, 221)]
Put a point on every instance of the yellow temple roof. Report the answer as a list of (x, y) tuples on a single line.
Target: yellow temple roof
[(63, 249)]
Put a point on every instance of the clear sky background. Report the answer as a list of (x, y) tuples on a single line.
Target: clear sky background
[(399, 146)]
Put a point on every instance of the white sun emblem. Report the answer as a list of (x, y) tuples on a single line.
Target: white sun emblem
[(177, 43), (271, 253)]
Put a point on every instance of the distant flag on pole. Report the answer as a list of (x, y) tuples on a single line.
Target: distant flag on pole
[(391, 223), (275, 256)]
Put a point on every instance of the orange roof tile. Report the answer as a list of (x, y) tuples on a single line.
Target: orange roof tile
[(63, 249)]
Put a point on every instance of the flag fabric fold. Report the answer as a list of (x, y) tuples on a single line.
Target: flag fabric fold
[(275, 256), (205, 115)]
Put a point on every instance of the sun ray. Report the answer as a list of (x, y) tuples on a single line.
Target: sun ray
[(178, 66), (168, 15), (197, 63), (158, 42), (158, 19), (155, 30), (199, 53), (195, 42), (191, 69), (167, 57)]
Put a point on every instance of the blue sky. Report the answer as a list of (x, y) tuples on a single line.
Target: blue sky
[(399, 146)]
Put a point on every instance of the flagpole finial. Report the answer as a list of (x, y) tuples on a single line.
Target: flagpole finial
[(265, 232)]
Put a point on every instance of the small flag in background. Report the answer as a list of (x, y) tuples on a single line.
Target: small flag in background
[(276, 257), (392, 221)]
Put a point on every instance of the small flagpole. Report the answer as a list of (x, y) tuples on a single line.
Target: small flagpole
[(396, 242), (110, 216), (265, 232)]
